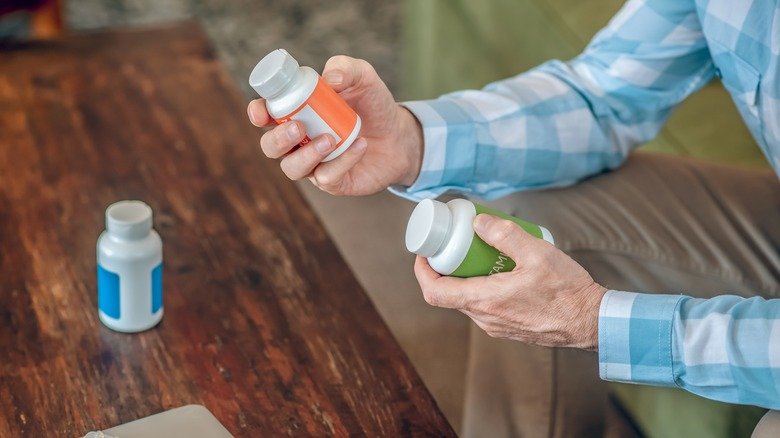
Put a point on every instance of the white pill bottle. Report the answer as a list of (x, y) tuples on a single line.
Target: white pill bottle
[(444, 234), (129, 269), (298, 93)]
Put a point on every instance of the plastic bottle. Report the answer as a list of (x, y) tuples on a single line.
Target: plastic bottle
[(444, 233), (129, 269), (299, 93)]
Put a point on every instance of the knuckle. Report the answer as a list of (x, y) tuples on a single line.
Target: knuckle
[(339, 62), (364, 65), (367, 72), (535, 259), (485, 307), (485, 327), (463, 302), (493, 330), (431, 297), (332, 191), (502, 230), (290, 169), (339, 59), (328, 181)]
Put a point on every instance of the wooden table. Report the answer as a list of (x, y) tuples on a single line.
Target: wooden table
[(264, 323)]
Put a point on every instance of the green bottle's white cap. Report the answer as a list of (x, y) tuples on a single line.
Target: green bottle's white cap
[(273, 73), (428, 227)]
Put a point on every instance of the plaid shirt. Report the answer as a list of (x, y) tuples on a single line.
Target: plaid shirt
[(564, 121), (726, 348)]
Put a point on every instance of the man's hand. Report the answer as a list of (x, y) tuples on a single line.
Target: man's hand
[(388, 151), (548, 299)]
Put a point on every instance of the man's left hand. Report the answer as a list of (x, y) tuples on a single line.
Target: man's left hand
[(548, 299)]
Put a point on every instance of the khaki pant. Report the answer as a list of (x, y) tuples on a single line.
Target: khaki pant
[(658, 224)]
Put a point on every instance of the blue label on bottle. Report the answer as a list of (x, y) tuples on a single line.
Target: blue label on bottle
[(157, 288), (108, 292)]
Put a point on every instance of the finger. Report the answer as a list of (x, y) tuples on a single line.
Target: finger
[(342, 72), (423, 271), (302, 162), (258, 114), (443, 291), (280, 140), (506, 236), (330, 175), (427, 278)]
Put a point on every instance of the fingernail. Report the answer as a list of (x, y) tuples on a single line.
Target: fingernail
[(322, 144), (334, 77), (293, 132), (251, 114), (481, 222), (360, 144)]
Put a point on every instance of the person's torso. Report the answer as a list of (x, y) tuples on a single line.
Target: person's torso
[(744, 40)]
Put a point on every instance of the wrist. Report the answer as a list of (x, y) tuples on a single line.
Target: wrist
[(411, 140), (590, 317)]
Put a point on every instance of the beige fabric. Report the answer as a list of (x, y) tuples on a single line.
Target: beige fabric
[(658, 224), (769, 426)]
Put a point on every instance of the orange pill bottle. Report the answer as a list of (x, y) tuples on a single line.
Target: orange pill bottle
[(292, 92)]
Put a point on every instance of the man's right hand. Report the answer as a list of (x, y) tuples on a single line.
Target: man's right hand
[(388, 150)]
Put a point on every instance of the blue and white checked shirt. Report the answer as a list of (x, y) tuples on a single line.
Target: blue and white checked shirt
[(563, 121), (726, 348)]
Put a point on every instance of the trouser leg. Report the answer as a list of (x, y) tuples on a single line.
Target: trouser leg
[(658, 224)]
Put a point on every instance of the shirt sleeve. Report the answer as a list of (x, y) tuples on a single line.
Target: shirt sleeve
[(725, 348), (564, 121)]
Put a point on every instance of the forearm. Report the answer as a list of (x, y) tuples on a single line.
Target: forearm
[(726, 348), (530, 131), (561, 122)]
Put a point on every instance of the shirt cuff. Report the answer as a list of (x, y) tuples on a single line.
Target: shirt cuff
[(635, 337)]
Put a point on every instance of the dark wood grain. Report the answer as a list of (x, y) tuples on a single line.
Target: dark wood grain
[(264, 324)]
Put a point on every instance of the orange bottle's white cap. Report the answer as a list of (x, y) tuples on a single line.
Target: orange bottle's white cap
[(273, 73)]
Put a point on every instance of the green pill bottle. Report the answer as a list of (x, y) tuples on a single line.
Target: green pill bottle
[(444, 234)]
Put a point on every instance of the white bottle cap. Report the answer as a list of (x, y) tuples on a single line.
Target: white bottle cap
[(129, 219), (273, 73), (428, 227)]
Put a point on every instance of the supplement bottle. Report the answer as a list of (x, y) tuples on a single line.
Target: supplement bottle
[(299, 93), (444, 233), (129, 269)]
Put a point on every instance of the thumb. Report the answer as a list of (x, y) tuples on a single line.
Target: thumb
[(506, 236), (342, 72)]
